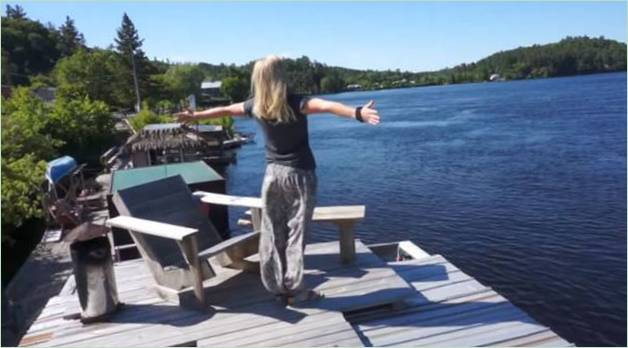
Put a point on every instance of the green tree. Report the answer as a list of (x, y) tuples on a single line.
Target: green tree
[(164, 106), (302, 75), (6, 68), (86, 127), (332, 83), (21, 195), (29, 48), (70, 38), (145, 117), (34, 132), (235, 88), (77, 127), (42, 80), (25, 143), (16, 12), (25, 126), (90, 74), (181, 80)]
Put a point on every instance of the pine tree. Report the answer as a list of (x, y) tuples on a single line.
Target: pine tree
[(128, 41), (128, 44), (16, 12), (71, 39)]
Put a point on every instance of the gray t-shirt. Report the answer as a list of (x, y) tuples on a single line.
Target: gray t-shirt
[(286, 143)]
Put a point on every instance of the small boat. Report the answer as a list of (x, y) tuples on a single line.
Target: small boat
[(237, 140)]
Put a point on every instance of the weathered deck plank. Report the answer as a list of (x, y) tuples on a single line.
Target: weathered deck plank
[(452, 309), (277, 333)]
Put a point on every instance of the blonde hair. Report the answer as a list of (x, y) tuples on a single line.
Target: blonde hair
[(270, 90)]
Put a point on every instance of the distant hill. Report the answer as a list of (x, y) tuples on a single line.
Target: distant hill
[(570, 56)]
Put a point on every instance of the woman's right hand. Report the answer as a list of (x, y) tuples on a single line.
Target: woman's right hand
[(369, 114), (185, 116)]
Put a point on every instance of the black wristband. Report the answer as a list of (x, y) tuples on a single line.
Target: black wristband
[(358, 114)]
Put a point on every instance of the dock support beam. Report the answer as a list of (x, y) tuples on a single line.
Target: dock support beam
[(347, 240)]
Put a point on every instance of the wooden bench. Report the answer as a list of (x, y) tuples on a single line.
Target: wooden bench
[(343, 216)]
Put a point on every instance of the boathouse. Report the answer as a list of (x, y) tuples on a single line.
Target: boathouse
[(166, 143)]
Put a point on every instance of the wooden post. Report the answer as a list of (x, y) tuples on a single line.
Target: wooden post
[(93, 272), (256, 219), (189, 247), (347, 240)]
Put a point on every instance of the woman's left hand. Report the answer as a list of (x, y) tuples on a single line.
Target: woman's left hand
[(184, 116), (369, 114)]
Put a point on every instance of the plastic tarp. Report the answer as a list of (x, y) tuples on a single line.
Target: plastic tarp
[(59, 168)]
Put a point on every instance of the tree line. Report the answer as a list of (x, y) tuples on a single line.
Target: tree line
[(37, 54), (570, 56), (92, 83)]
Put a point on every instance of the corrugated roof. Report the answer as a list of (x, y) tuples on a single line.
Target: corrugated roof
[(168, 136)]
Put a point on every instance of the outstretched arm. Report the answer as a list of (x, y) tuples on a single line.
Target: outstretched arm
[(236, 109), (318, 105)]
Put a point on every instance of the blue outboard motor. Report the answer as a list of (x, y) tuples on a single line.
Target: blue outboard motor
[(57, 169)]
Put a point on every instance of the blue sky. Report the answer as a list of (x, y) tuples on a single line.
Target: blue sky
[(415, 36)]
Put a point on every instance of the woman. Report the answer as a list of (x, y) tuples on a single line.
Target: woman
[(289, 186)]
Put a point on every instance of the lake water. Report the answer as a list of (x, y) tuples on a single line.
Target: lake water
[(520, 184)]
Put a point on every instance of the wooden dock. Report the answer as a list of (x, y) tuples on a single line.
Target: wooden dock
[(451, 309), (370, 302)]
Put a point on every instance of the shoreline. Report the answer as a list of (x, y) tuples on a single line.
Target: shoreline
[(474, 82)]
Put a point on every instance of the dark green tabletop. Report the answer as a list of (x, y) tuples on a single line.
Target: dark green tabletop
[(192, 173)]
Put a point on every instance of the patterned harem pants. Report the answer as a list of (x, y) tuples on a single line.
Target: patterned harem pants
[(289, 197)]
